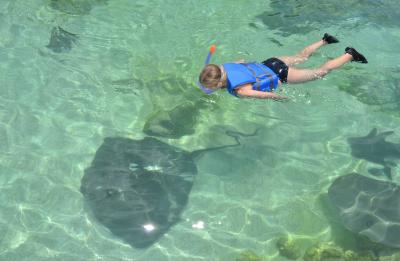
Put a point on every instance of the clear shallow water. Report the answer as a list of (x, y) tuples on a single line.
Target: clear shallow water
[(56, 108)]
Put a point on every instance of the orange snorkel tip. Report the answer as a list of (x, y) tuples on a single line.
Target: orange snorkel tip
[(213, 48)]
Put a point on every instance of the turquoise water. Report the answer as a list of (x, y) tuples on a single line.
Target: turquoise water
[(134, 58)]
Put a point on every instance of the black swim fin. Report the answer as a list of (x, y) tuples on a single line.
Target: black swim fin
[(330, 39), (357, 57)]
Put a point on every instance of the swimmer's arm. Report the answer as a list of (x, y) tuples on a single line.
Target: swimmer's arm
[(247, 91)]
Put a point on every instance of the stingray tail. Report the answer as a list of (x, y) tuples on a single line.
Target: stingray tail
[(234, 134)]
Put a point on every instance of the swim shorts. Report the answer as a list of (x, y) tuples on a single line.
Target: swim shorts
[(278, 66)]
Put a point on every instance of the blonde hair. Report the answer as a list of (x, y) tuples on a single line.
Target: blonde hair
[(210, 76)]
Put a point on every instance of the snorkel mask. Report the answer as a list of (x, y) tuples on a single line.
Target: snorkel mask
[(205, 89)]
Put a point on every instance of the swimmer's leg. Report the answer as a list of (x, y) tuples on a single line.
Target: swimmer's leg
[(304, 75), (308, 50)]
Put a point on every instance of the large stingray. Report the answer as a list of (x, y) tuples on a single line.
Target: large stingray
[(138, 188), (376, 149), (61, 40), (368, 207)]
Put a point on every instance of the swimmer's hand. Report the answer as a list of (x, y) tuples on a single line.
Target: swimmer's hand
[(240, 61), (282, 99), (246, 90)]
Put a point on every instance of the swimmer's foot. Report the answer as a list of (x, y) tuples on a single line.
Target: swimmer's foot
[(357, 57), (329, 38)]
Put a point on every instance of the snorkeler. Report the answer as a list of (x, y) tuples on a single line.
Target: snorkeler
[(260, 80)]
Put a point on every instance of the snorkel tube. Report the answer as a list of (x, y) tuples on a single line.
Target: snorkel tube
[(208, 59)]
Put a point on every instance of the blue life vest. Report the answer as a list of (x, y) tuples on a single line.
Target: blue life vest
[(262, 77)]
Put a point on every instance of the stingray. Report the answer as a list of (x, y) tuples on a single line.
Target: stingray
[(181, 119), (376, 149), (366, 91), (303, 17), (368, 207), (61, 40), (138, 188), (174, 123)]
